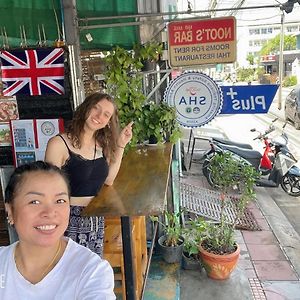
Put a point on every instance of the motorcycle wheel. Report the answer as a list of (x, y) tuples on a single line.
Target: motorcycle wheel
[(210, 178), (291, 185), (205, 167)]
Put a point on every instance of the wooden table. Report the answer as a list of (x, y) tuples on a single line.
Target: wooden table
[(139, 190)]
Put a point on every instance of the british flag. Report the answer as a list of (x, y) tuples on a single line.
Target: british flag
[(33, 72)]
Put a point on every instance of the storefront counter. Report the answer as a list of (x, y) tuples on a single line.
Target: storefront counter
[(139, 190)]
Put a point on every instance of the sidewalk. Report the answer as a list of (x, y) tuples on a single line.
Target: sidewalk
[(269, 265)]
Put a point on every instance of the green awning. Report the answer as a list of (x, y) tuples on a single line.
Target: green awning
[(43, 13)]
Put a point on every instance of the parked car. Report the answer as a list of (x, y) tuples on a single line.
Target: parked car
[(292, 106)]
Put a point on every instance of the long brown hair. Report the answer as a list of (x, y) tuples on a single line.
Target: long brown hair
[(105, 137)]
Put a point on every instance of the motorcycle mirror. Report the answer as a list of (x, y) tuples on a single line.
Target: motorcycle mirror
[(252, 129)]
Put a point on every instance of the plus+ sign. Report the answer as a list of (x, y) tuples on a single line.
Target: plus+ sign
[(231, 93)]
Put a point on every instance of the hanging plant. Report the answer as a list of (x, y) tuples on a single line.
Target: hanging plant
[(125, 82)]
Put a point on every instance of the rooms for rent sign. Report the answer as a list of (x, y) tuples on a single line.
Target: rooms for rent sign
[(205, 41)]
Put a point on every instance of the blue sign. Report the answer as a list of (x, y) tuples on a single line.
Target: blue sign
[(248, 99)]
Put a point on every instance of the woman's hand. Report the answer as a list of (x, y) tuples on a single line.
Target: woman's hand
[(125, 135)]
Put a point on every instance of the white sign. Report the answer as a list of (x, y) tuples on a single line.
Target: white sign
[(196, 97)]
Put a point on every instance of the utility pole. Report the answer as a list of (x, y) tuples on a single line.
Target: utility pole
[(73, 42), (280, 67)]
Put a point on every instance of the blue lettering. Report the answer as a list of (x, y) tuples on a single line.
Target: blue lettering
[(202, 100), (193, 100), (182, 100)]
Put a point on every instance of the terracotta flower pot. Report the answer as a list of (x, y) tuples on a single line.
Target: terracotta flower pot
[(219, 266)]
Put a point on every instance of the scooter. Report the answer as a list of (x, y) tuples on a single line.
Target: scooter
[(284, 168), (262, 163), (242, 145)]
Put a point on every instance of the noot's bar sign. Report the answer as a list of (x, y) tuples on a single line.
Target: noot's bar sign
[(248, 99), (196, 97)]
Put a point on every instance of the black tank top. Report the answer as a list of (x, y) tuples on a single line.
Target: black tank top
[(86, 176)]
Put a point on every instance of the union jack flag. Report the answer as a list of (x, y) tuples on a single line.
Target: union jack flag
[(33, 72)]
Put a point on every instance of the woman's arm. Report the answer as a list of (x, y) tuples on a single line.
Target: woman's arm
[(56, 151), (124, 138)]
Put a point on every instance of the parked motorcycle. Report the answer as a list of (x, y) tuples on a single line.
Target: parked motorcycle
[(262, 163), (277, 160)]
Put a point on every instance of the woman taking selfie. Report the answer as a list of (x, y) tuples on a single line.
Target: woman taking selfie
[(44, 264), (90, 152)]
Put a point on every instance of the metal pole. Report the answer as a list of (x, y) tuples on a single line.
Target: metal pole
[(176, 13), (280, 67), (72, 38)]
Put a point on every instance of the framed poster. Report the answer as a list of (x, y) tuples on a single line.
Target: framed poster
[(5, 138), (46, 129), (30, 138), (8, 109)]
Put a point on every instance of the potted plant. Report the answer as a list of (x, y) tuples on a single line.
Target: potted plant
[(219, 250), (149, 54), (159, 123), (171, 242), (193, 234), (124, 81)]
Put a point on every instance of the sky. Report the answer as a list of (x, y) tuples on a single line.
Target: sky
[(245, 17)]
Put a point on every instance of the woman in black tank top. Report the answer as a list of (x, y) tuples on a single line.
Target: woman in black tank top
[(90, 152)]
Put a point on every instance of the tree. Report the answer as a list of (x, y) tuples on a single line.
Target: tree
[(250, 58), (273, 45)]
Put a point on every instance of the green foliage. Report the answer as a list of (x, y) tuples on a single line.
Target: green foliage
[(245, 74), (229, 173), (124, 82), (149, 51), (193, 234), (250, 58), (172, 227), (159, 120), (273, 45), (289, 81)]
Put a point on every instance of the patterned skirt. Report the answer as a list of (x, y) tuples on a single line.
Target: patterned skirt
[(86, 231)]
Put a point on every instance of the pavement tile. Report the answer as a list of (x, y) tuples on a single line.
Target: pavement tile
[(265, 252), (274, 270), (245, 264), (272, 295), (259, 237), (256, 213), (251, 205), (244, 254), (281, 290), (250, 273), (263, 224)]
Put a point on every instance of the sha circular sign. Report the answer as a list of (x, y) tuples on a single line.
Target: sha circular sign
[(196, 97)]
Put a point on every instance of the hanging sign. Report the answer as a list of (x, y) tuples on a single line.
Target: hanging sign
[(196, 97), (248, 99), (205, 41)]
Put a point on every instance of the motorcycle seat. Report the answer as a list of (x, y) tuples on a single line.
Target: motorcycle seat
[(232, 143), (245, 153)]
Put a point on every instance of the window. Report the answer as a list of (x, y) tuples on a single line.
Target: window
[(264, 31)]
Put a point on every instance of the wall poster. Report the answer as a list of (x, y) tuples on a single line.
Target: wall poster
[(30, 138)]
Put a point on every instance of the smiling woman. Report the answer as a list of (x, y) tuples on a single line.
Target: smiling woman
[(90, 152), (44, 264)]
